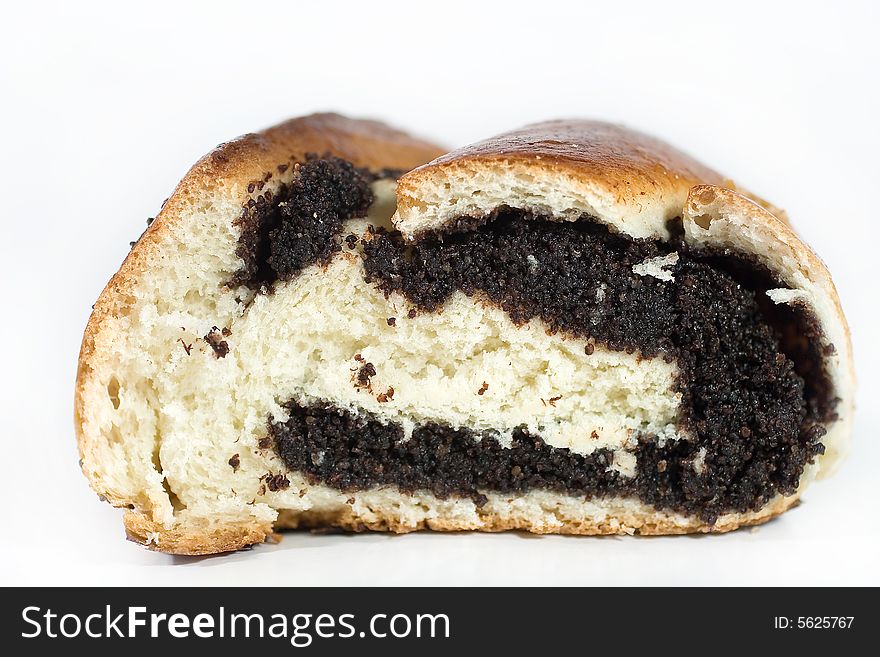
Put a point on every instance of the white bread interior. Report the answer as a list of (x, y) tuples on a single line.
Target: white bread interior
[(160, 415)]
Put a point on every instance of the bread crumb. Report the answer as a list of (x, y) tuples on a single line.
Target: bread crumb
[(656, 267)]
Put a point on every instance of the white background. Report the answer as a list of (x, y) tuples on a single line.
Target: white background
[(104, 107)]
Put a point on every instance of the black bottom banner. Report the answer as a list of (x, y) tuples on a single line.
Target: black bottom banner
[(434, 621)]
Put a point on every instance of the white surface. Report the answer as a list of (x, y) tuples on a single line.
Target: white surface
[(103, 111)]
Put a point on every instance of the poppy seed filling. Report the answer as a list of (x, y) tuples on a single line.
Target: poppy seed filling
[(284, 232), (752, 421)]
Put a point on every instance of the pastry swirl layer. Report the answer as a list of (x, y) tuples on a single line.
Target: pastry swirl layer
[(750, 422)]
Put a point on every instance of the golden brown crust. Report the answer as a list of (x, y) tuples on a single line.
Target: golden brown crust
[(629, 160), (636, 523), (199, 540), (634, 182), (194, 540), (230, 166)]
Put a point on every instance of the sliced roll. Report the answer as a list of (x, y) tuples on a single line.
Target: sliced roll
[(571, 328)]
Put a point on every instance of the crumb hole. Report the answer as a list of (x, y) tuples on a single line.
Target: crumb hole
[(703, 221), (115, 437), (113, 391)]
